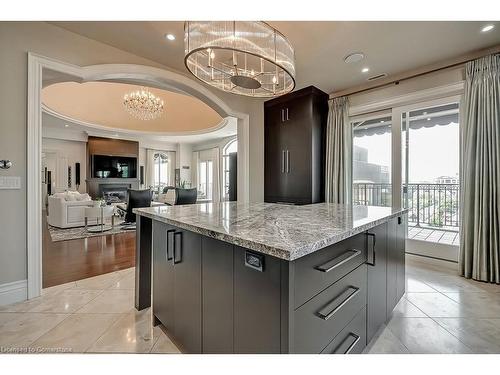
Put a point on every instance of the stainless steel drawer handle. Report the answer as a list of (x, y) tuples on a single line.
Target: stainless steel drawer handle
[(351, 340), (336, 304), (338, 261)]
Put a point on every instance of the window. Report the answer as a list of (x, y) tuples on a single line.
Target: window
[(229, 148), (162, 171), (205, 179)]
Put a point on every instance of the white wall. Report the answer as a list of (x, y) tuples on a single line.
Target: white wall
[(221, 142), (73, 152), (431, 80), (16, 40)]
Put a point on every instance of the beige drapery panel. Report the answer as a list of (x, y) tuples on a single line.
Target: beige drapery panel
[(338, 175), (194, 169), (150, 166), (480, 171)]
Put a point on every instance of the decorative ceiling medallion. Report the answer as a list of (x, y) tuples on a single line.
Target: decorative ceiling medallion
[(143, 104), (242, 57)]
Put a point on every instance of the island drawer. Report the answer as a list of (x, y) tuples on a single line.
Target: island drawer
[(318, 321), (352, 339), (317, 271)]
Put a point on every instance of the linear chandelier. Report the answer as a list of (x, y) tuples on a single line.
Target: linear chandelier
[(242, 57), (143, 104)]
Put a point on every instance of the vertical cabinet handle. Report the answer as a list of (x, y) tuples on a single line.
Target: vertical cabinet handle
[(374, 252), (284, 115), (170, 240), (287, 161), (177, 258), (282, 161)]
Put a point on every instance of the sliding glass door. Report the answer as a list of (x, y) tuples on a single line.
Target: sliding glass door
[(371, 161), (430, 174), (409, 157)]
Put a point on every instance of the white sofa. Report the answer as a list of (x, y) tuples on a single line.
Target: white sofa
[(67, 210)]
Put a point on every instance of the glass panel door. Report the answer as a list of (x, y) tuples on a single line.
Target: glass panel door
[(371, 168), (430, 175)]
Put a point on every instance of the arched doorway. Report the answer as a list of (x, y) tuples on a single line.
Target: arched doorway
[(38, 67)]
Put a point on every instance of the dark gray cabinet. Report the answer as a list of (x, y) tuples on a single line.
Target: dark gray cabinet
[(401, 246), (256, 304), (392, 265), (218, 291), (163, 275), (294, 127), (216, 297), (377, 279), (187, 289), (177, 284), (396, 238)]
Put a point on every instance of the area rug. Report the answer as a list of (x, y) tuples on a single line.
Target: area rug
[(66, 234)]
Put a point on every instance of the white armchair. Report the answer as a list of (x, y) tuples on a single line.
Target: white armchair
[(67, 210)]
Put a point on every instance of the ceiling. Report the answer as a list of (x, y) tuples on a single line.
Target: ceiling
[(101, 104), (320, 47)]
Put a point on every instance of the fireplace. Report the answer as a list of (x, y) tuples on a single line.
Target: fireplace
[(113, 190), (114, 193)]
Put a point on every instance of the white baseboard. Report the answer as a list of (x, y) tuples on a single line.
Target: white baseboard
[(13, 292), (432, 249)]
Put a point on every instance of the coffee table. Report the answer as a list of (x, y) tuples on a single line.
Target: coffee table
[(99, 213)]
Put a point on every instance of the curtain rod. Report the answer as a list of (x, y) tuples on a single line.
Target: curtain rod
[(452, 63)]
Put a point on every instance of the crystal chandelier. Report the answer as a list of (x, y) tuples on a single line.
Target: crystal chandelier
[(143, 104), (243, 57)]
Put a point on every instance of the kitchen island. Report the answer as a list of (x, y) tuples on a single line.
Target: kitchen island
[(270, 278)]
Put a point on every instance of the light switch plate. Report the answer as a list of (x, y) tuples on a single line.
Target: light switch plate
[(10, 182)]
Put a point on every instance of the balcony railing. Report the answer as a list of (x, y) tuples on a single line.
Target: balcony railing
[(429, 205)]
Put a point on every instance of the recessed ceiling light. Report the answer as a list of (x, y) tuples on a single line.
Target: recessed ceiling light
[(354, 57), (170, 36), (487, 28), (428, 119), (66, 125), (365, 70)]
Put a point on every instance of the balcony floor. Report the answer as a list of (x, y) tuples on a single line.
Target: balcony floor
[(434, 235)]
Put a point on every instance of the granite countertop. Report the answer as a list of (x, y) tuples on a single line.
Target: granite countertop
[(284, 231)]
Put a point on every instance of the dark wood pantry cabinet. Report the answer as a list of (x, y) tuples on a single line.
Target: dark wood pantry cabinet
[(294, 147)]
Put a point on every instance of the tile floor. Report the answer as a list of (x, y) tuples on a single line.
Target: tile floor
[(440, 313), (434, 235), (94, 315)]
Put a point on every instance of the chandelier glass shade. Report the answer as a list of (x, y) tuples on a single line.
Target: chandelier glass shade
[(243, 57), (143, 104)]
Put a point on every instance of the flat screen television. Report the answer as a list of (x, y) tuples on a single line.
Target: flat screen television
[(106, 166)]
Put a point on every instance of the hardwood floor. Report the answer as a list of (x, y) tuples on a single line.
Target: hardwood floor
[(67, 261)]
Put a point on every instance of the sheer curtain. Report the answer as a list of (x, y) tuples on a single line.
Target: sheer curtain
[(338, 174), (480, 171), (216, 176), (194, 169), (150, 168), (171, 167)]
